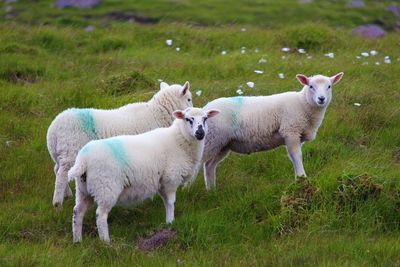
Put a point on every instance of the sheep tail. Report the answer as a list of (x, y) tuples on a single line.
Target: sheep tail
[(78, 170)]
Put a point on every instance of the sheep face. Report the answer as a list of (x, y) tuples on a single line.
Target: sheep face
[(319, 88), (195, 121), (175, 96)]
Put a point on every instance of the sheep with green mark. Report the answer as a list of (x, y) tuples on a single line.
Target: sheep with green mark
[(75, 127), (131, 168), (253, 124)]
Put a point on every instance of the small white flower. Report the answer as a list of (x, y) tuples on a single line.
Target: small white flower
[(357, 104), (198, 93), (178, 49), (250, 84), (259, 71), (281, 75), (285, 49), (365, 54), (223, 52), (256, 50), (301, 51), (262, 61), (373, 52), (330, 55), (239, 91), (169, 42)]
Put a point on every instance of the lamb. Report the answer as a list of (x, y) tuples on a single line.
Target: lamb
[(253, 124), (73, 128), (129, 169)]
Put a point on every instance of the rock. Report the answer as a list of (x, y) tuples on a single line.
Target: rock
[(77, 3), (369, 31), (394, 9), (158, 239), (357, 3)]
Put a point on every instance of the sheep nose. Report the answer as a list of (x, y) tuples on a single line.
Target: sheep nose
[(199, 133), (321, 99)]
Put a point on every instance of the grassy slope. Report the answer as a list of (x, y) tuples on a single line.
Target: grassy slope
[(242, 220)]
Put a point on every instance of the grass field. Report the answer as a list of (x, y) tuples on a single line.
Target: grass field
[(346, 214)]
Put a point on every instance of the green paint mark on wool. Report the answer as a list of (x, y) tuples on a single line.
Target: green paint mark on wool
[(118, 150), (87, 121)]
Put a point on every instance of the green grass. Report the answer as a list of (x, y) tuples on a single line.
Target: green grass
[(49, 63)]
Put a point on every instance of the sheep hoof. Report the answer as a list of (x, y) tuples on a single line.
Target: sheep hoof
[(58, 206)]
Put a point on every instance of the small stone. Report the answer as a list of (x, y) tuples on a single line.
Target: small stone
[(373, 53), (369, 31), (169, 42), (89, 28), (250, 84), (356, 3)]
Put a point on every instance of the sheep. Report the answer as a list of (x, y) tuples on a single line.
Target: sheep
[(73, 128), (131, 168), (253, 124)]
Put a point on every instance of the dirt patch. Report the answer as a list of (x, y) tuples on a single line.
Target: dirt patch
[(353, 191), (156, 240), (126, 83), (300, 197)]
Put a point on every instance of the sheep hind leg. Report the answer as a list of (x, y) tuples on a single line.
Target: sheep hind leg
[(101, 221), (83, 203), (210, 167), (60, 187)]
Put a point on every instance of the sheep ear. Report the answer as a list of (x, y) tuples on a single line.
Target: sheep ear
[(163, 85), (335, 79), (185, 88), (303, 79), (179, 114), (212, 112)]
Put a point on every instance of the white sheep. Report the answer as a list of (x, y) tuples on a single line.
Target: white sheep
[(73, 128), (252, 124), (131, 168)]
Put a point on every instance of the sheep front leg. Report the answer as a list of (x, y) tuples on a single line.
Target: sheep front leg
[(293, 146), (169, 198)]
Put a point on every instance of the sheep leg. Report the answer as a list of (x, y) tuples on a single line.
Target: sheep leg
[(169, 203), (101, 221), (83, 203), (210, 168), (60, 187), (293, 146)]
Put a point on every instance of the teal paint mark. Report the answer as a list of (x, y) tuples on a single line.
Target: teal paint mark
[(238, 102), (118, 151), (87, 121)]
